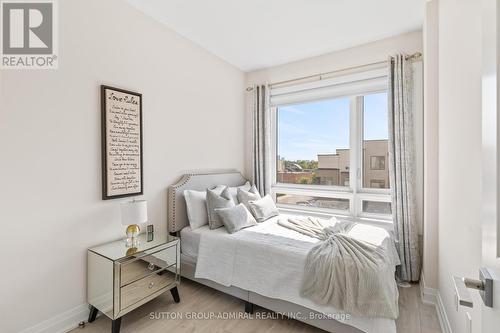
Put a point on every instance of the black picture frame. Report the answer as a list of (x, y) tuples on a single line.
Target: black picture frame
[(105, 144)]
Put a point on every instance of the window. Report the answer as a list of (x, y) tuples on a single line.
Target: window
[(377, 162), (376, 207), (377, 183), (375, 141), (331, 153), (337, 204), (313, 143)]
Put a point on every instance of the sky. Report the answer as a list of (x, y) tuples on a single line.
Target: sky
[(305, 130)]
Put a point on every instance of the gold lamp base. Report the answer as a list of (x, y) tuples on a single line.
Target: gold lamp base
[(132, 233), (131, 251)]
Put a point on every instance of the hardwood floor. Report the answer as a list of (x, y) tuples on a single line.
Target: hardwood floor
[(415, 317)]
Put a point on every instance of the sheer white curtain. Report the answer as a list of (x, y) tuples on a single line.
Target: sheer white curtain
[(402, 166), (261, 139)]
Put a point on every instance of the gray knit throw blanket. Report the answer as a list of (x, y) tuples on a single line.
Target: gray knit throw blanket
[(349, 274)]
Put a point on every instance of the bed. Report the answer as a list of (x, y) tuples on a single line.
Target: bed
[(279, 291)]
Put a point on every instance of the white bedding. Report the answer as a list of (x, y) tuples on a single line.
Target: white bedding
[(190, 239), (269, 260)]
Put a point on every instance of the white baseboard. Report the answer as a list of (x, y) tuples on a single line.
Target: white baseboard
[(428, 295), (443, 318), (432, 296), (63, 322)]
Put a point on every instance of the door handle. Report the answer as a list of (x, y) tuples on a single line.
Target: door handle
[(484, 285)]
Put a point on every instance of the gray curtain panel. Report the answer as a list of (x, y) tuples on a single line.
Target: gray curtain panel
[(261, 139), (402, 166)]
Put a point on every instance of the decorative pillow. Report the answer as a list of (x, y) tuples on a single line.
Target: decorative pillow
[(233, 190), (215, 200), (236, 218), (218, 189), (196, 208), (263, 209), (250, 195)]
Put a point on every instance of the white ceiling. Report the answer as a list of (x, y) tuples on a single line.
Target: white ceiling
[(254, 34)]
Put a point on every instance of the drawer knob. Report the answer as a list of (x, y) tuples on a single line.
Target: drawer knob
[(151, 266), (151, 285)]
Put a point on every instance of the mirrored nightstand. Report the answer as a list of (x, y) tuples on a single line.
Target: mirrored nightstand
[(121, 278)]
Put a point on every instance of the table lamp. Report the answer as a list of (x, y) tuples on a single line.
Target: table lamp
[(134, 213)]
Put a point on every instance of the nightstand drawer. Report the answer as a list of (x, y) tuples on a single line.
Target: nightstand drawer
[(144, 287), (145, 265)]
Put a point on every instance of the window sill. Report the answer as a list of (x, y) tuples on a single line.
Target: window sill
[(326, 190), (385, 224)]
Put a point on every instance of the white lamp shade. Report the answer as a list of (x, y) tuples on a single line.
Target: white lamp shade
[(134, 212)]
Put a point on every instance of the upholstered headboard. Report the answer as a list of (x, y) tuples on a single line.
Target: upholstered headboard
[(177, 214)]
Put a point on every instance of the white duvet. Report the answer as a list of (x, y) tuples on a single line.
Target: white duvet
[(269, 260)]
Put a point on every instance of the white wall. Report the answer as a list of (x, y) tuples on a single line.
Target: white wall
[(359, 55), (50, 181), (459, 151), (431, 151)]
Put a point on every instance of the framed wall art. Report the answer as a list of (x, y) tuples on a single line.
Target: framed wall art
[(121, 125)]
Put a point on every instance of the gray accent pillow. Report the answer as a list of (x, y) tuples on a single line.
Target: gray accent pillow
[(236, 218), (214, 201), (245, 196), (233, 190), (264, 208)]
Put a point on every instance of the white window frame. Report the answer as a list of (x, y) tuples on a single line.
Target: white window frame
[(368, 83)]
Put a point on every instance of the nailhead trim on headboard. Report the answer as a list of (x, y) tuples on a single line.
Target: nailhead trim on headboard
[(172, 194)]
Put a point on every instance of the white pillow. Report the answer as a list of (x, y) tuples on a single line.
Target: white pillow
[(236, 218), (196, 208), (263, 209)]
